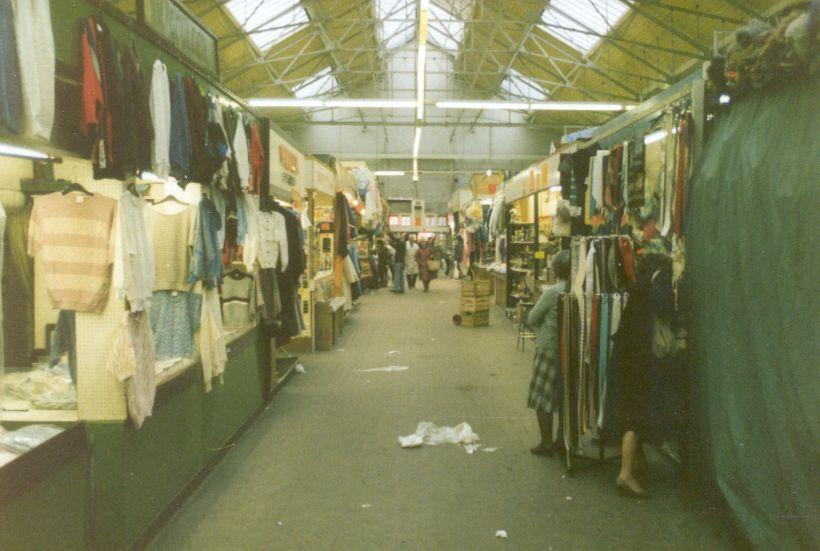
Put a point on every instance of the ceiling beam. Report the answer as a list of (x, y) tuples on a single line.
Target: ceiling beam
[(643, 12)]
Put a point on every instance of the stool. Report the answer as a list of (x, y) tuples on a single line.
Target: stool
[(524, 332)]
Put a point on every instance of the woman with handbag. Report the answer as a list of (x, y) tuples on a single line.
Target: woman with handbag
[(427, 263)]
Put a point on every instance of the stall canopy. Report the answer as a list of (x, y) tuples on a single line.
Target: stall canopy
[(753, 264)]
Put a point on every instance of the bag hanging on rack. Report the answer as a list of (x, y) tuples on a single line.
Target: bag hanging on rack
[(434, 265)]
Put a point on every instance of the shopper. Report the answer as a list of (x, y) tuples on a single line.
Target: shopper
[(383, 260), (411, 267), (544, 396), (650, 302), (425, 254), (457, 254), (400, 245)]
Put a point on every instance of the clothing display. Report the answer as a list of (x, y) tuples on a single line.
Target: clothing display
[(257, 153), (180, 145), (73, 236), (213, 353), (206, 263), (272, 239), (175, 317), (160, 103), (173, 253), (238, 299), (134, 269), (35, 51), (132, 361), (241, 154), (11, 94)]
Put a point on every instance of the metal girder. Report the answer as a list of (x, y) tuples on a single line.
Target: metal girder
[(741, 6), (640, 10), (615, 45), (697, 13), (412, 123)]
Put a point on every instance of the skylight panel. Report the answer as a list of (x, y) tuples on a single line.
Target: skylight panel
[(445, 29), (518, 86), (268, 21), (577, 22), (322, 83), (398, 22)]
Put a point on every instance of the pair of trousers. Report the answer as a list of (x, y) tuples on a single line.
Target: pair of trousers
[(398, 277), (411, 280)]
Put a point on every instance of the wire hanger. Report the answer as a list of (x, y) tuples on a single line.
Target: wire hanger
[(73, 186), (169, 197)]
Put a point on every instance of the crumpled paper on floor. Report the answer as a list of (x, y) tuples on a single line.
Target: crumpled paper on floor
[(389, 369), (501, 534), (432, 435)]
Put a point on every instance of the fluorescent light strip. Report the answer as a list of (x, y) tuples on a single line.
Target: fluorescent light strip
[(285, 102), (421, 62), (25, 152), (372, 103), (575, 106), (654, 137), (534, 106), (389, 173)]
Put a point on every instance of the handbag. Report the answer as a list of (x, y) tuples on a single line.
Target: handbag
[(433, 265)]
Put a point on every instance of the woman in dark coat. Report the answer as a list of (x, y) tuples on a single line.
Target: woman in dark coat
[(457, 254), (425, 253), (650, 298)]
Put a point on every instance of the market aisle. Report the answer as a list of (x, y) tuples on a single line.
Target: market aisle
[(322, 469)]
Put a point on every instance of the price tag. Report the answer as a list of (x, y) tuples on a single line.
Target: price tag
[(540, 255)]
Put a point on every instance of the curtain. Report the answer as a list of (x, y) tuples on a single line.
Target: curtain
[(755, 342)]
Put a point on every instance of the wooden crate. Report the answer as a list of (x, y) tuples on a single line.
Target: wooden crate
[(475, 304), (475, 319), (477, 288)]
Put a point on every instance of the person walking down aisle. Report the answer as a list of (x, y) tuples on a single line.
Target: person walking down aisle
[(411, 268), (544, 396), (383, 260), (400, 244), (423, 255), (458, 252)]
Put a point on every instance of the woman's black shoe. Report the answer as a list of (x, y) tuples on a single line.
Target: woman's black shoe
[(543, 449)]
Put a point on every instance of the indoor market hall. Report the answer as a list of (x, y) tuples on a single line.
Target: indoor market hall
[(409, 274)]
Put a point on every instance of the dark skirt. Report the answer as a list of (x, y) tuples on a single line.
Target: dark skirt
[(544, 387)]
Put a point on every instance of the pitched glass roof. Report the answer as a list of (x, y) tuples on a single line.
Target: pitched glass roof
[(322, 83), (268, 21), (445, 30), (518, 86), (573, 20), (398, 21)]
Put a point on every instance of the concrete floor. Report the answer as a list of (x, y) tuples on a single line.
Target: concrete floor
[(322, 468)]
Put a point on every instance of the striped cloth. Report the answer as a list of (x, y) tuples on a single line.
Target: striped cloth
[(74, 238)]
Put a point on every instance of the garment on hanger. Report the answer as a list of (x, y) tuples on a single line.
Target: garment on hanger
[(272, 239), (180, 145), (250, 248), (212, 344), (137, 129), (36, 61), (173, 249), (132, 360), (257, 161), (216, 144), (175, 317), (240, 150), (197, 109), (341, 222), (206, 263), (135, 269), (98, 95), (160, 102), (74, 236), (11, 94)]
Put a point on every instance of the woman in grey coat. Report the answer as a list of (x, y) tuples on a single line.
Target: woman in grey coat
[(544, 395)]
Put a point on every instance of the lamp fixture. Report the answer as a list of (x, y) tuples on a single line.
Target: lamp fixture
[(389, 173), (24, 152), (489, 172), (372, 103), (532, 106), (655, 137), (421, 70)]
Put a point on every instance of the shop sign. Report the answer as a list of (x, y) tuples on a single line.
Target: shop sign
[(176, 24), (289, 159)]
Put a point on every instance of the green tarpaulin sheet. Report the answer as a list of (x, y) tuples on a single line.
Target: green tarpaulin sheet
[(753, 267)]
